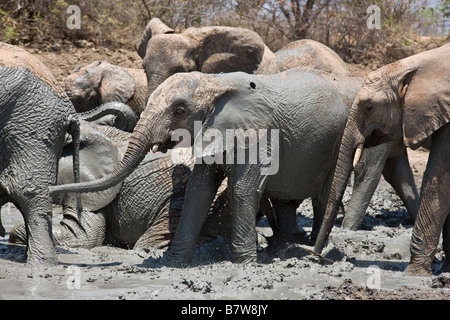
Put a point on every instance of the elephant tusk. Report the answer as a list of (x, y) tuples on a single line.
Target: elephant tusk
[(155, 148), (358, 154)]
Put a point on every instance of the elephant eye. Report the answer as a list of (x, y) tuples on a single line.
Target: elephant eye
[(178, 111), (368, 109)]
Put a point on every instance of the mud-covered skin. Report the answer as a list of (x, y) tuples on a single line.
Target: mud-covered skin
[(409, 100), (35, 115), (101, 82)]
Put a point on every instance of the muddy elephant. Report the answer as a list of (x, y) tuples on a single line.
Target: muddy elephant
[(410, 100), (140, 212), (35, 116), (389, 160), (101, 82), (208, 50), (312, 54)]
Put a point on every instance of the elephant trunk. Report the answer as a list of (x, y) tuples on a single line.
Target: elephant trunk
[(154, 79), (349, 153), (124, 117), (138, 147)]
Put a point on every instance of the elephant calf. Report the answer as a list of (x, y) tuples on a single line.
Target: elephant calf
[(101, 82)]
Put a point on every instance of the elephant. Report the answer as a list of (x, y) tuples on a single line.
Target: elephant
[(36, 114), (389, 160), (312, 54), (409, 100), (141, 212), (207, 49), (293, 103), (101, 82)]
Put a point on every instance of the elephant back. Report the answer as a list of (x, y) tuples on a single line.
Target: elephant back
[(15, 57)]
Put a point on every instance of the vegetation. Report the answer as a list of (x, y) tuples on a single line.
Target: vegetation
[(405, 25)]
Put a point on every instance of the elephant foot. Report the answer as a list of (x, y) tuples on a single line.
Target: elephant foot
[(417, 269), (171, 260), (279, 242), (245, 259)]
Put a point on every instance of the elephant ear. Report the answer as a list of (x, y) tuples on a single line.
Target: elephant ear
[(116, 84), (425, 94), (227, 49), (154, 27), (240, 113)]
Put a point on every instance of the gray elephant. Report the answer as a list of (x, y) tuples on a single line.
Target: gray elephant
[(208, 50), (36, 114), (409, 100), (312, 54), (140, 212), (101, 82), (391, 159)]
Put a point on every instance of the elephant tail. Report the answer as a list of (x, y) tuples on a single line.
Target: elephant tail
[(137, 149)]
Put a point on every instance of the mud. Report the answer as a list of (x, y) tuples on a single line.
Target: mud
[(366, 264)]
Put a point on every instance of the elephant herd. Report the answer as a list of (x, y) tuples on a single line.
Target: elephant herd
[(105, 145)]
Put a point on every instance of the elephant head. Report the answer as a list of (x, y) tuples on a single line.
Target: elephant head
[(208, 50), (408, 99), (98, 83)]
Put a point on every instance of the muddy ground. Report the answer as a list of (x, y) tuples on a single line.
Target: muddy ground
[(366, 264)]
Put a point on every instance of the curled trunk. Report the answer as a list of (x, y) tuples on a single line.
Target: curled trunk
[(350, 141), (123, 117)]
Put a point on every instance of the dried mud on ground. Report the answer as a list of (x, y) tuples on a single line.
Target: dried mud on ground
[(366, 264)]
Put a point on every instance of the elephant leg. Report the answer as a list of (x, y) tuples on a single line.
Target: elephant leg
[(87, 232), (286, 217), (287, 229), (200, 192), (434, 204), (245, 187), (367, 175), (90, 232), (398, 174), (446, 245), (162, 226), (266, 209), (36, 210)]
